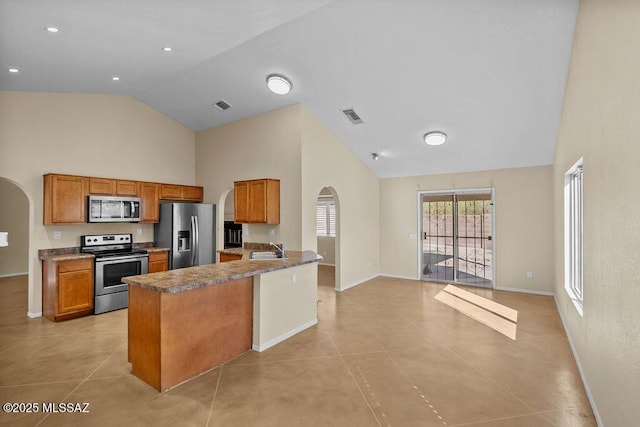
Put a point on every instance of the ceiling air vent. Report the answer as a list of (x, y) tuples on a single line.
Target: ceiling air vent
[(222, 105), (352, 116)]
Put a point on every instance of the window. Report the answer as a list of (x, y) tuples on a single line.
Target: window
[(573, 240), (326, 217)]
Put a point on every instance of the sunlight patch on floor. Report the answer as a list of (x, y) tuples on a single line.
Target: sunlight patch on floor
[(500, 318)]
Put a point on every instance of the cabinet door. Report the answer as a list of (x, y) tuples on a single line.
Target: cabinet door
[(241, 201), (150, 202), (229, 257), (258, 201), (65, 199), (158, 261), (192, 193), (75, 291), (102, 186), (126, 188), (170, 192)]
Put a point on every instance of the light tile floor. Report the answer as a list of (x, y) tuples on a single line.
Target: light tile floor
[(384, 353)]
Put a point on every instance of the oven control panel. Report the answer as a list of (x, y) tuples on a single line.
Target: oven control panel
[(106, 239)]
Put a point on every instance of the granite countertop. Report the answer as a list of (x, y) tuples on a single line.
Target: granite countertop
[(233, 251), (70, 254), (184, 279)]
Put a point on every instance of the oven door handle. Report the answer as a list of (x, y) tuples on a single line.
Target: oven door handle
[(119, 260)]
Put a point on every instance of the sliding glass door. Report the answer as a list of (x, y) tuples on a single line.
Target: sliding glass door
[(457, 236)]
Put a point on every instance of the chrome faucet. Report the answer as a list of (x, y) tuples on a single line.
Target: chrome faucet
[(280, 248)]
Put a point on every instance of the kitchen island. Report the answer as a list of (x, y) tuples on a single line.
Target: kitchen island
[(185, 322)]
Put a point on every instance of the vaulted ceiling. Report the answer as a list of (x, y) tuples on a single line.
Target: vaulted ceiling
[(491, 74)]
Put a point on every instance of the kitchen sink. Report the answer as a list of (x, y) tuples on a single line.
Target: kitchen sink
[(263, 255)]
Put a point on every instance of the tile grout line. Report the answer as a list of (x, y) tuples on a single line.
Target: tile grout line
[(84, 380), (215, 393), (503, 418), (354, 380)]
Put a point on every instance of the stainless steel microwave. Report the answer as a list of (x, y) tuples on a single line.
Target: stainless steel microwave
[(114, 209)]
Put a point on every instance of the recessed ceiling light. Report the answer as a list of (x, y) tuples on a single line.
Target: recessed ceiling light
[(167, 49), (279, 84), (375, 156), (13, 70), (115, 78), (435, 138), (52, 29)]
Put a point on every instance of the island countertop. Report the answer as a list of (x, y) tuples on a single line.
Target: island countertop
[(184, 279)]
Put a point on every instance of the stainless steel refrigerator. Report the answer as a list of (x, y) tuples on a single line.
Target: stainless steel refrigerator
[(188, 230)]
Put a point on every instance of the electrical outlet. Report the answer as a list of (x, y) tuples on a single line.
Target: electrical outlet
[(294, 278), (139, 231), (57, 235), (529, 274), (270, 231)]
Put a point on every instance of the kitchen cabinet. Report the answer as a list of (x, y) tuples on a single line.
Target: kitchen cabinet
[(67, 288), (149, 201), (112, 187), (65, 199), (229, 257), (257, 201), (102, 186), (181, 192), (65, 196), (126, 188), (158, 261)]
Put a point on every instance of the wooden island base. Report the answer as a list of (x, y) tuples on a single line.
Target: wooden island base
[(176, 336)]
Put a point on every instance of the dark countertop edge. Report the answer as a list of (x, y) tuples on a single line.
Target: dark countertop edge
[(258, 267), (68, 254)]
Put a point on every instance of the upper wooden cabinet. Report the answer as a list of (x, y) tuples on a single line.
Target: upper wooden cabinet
[(65, 199), (257, 201), (65, 196), (113, 187), (181, 192), (150, 201)]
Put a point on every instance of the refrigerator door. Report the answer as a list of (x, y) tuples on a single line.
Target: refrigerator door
[(183, 244), (205, 234)]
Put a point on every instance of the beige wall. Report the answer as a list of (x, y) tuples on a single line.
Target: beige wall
[(14, 218), (85, 134), (601, 121), (327, 249), (262, 146), (326, 162), (523, 211)]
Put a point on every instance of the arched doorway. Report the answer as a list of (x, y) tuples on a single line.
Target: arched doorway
[(14, 257), (328, 235)]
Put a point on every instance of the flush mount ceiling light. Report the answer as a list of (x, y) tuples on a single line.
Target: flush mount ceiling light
[(115, 78), (279, 84), (13, 70), (435, 138), (52, 29), (167, 49)]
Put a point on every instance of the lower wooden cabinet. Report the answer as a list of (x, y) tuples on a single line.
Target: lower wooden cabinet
[(158, 261), (229, 257), (67, 289)]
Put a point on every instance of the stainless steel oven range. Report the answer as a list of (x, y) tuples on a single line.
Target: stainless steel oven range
[(115, 258)]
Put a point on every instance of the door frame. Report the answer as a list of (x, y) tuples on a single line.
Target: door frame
[(420, 232)]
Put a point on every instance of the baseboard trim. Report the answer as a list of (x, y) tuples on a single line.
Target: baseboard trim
[(34, 315), (398, 276), (13, 274), (360, 282), (279, 339), (577, 359), (525, 291)]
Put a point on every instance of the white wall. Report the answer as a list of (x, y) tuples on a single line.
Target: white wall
[(327, 249), (326, 162), (262, 146), (523, 238), (109, 136), (14, 218), (601, 121)]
